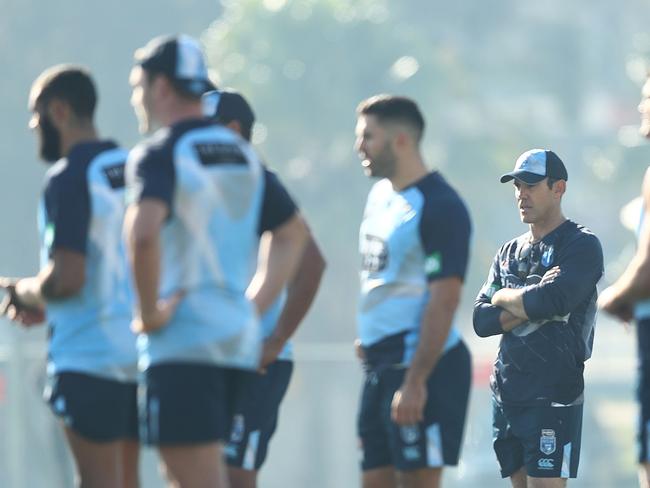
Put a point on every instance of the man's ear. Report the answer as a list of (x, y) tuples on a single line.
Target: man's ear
[(160, 87), (59, 112), (401, 138), (559, 187), (234, 126)]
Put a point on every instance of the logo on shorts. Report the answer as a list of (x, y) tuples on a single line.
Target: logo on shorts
[(410, 433), (411, 453), (547, 441), (237, 432), (545, 463)]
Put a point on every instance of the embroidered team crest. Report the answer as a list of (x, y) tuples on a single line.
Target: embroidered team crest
[(237, 432), (547, 257), (547, 442), (410, 433)]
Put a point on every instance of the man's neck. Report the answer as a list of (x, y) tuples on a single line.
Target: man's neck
[(544, 227), (182, 111), (408, 171), (77, 135)]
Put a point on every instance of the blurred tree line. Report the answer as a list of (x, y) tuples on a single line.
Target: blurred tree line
[(493, 79)]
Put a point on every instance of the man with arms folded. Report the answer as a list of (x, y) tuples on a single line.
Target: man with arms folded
[(540, 296)]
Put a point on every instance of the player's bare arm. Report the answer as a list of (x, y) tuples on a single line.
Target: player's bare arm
[(409, 400), (300, 295), (634, 284), (143, 222), (278, 263)]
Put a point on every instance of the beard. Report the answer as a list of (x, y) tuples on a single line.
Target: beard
[(383, 165), (50, 147)]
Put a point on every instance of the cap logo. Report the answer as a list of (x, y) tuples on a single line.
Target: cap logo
[(533, 161)]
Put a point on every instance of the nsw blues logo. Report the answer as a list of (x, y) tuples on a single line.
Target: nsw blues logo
[(547, 257), (547, 442), (410, 433)]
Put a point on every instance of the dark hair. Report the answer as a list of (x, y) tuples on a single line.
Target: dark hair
[(551, 181), (72, 84), (392, 108), (180, 87)]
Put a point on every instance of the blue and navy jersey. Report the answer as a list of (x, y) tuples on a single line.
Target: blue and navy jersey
[(541, 362), (220, 200), (407, 239), (82, 210)]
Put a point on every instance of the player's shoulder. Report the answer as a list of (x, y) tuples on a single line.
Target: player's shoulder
[(440, 198), (72, 169), (514, 243), (153, 147), (574, 234), (574, 230)]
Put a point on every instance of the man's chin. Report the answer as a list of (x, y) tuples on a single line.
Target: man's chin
[(644, 130)]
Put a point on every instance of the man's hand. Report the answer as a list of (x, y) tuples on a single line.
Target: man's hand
[(407, 407), (14, 310), (610, 301), (550, 275), (151, 321), (358, 350), (271, 349)]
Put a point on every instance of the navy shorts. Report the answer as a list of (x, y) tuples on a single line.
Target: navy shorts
[(183, 403), (643, 390), (255, 402), (96, 408), (544, 440), (429, 444)]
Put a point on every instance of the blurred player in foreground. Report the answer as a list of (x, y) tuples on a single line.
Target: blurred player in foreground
[(83, 287), (256, 401)]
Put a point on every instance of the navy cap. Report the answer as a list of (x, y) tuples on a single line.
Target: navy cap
[(535, 165), (226, 105), (180, 58)]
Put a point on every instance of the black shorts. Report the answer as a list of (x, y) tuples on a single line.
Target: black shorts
[(643, 391), (544, 440), (429, 444), (96, 408), (255, 401), (183, 403)]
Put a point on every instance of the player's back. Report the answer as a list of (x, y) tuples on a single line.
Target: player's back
[(213, 185)]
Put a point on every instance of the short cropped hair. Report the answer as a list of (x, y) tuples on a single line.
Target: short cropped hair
[(70, 83), (397, 109)]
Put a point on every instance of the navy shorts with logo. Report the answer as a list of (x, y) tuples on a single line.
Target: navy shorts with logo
[(544, 440), (98, 409), (643, 390), (429, 444), (183, 403), (255, 402)]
